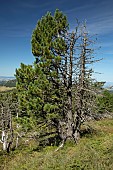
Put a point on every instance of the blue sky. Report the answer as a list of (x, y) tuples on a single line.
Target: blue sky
[(18, 18)]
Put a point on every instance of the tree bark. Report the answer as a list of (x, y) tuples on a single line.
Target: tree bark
[(69, 91)]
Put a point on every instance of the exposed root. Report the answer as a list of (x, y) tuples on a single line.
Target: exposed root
[(61, 146)]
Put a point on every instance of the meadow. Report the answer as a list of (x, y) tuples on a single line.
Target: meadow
[(93, 152)]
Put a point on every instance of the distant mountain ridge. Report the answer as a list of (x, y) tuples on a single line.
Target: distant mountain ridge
[(108, 84), (6, 78), (7, 81)]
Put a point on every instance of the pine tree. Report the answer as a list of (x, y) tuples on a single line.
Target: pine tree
[(56, 89), (49, 47), (35, 97)]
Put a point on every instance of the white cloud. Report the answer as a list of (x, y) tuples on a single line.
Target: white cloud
[(101, 24), (98, 14), (79, 8), (16, 31)]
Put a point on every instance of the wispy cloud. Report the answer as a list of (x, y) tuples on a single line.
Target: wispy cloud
[(35, 5), (78, 8), (16, 31), (99, 15), (42, 5), (102, 24)]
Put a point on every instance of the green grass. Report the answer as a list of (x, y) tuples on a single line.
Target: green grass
[(93, 152)]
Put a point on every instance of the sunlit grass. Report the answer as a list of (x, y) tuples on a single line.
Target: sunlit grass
[(4, 88), (93, 152)]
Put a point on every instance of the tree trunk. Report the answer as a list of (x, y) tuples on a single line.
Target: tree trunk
[(4, 140), (17, 126), (69, 91), (69, 117), (76, 133)]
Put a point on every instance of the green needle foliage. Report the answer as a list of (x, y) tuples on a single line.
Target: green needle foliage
[(54, 91), (47, 39), (105, 102), (35, 97)]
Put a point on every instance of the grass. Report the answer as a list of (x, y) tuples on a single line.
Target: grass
[(93, 152), (4, 88)]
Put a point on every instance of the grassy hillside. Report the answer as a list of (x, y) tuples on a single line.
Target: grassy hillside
[(4, 88), (93, 152)]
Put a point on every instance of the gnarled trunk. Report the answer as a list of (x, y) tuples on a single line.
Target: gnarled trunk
[(69, 116)]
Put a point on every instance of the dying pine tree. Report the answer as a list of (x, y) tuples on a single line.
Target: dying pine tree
[(57, 89), (85, 89), (8, 106)]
